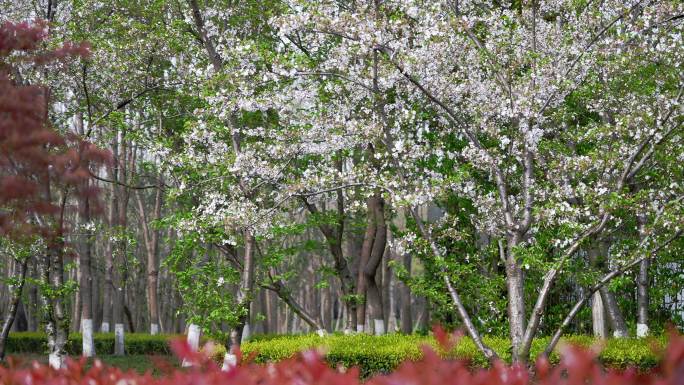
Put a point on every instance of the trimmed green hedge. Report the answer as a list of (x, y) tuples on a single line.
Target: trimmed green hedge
[(372, 354), (135, 343)]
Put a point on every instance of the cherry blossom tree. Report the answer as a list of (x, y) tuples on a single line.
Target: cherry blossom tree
[(501, 79)]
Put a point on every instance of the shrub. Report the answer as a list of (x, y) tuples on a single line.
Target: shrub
[(35, 342), (373, 354)]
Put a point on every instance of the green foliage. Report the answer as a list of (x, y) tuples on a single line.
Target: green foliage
[(372, 354), (36, 342), (202, 278), (381, 354)]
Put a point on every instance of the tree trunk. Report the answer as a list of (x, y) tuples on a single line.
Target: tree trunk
[(151, 238), (370, 270), (271, 313), (85, 281), (362, 280), (76, 303), (20, 322), (283, 293), (193, 341), (107, 295), (388, 292), (352, 302), (15, 298), (32, 305), (423, 321), (598, 317), (56, 320), (333, 236), (109, 291), (516, 299), (615, 318), (326, 309), (405, 295), (642, 285), (119, 296), (243, 299)]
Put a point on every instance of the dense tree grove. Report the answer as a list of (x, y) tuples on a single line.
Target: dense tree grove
[(511, 168)]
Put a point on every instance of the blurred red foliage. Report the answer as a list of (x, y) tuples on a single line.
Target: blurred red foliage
[(577, 367), (37, 164)]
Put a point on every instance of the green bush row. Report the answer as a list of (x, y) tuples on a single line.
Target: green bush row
[(373, 354), (134, 343)]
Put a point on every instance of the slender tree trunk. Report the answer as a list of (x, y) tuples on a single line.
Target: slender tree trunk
[(388, 297), (119, 337), (642, 284), (516, 299), (83, 312), (126, 162), (76, 303), (278, 287), (15, 297), (334, 236), (56, 320), (405, 295), (243, 299), (193, 339), (271, 314), (20, 322), (615, 318), (109, 291), (85, 281), (32, 305), (598, 316), (326, 309), (361, 280), (153, 274), (423, 321), (151, 238), (370, 270)]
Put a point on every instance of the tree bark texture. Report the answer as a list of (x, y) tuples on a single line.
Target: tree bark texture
[(15, 297), (642, 284)]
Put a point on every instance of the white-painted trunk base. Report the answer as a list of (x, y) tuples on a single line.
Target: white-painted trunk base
[(104, 328), (88, 340), (598, 316), (617, 334), (229, 362), (194, 336), (119, 349), (245, 334), (193, 341), (321, 332), (56, 361), (347, 331), (642, 330), (359, 328), (154, 329), (379, 326)]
